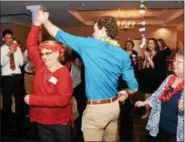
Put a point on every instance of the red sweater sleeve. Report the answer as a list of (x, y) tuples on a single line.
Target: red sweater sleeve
[(33, 47), (61, 98)]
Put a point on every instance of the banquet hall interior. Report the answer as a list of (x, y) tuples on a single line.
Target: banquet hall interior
[(136, 20)]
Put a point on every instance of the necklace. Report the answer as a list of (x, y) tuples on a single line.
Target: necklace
[(169, 91), (110, 41)]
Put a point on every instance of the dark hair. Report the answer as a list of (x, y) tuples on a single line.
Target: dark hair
[(155, 42), (110, 24), (162, 42), (130, 41), (7, 31)]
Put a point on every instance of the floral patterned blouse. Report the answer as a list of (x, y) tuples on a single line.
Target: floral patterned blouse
[(154, 118)]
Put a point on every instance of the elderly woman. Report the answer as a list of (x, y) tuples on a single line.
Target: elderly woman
[(167, 118), (129, 45), (52, 89)]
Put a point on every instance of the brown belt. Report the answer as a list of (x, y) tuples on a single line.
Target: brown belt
[(95, 102)]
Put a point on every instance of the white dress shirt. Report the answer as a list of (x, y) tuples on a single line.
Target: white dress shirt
[(75, 75), (28, 63), (5, 61)]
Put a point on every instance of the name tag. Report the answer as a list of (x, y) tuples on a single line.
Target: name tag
[(133, 55), (53, 80)]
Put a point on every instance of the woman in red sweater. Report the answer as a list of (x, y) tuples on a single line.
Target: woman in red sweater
[(52, 90)]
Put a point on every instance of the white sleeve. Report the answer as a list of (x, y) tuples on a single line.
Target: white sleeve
[(75, 76), (4, 58), (25, 53), (20, 56)]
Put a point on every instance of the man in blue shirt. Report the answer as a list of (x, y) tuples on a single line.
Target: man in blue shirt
[(104, 63)]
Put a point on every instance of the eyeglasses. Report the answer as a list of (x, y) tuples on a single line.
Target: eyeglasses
[(178, 62), (46, 54)]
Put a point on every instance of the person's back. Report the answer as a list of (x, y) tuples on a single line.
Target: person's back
[(103, 66)]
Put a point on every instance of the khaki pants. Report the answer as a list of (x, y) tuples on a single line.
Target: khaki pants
[(100, 122)]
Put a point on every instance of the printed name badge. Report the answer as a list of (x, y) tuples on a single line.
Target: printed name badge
[(53, 80)]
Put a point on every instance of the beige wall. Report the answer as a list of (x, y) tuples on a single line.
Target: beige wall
[(169, 34), (180, 36)]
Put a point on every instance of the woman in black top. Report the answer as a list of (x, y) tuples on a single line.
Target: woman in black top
[(165, 51), (151, 70)]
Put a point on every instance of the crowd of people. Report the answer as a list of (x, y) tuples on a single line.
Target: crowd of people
[(82, 89)]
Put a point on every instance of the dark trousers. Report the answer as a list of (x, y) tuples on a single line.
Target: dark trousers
[(12, 85), (163, 136), (54, 133), (79, 93)]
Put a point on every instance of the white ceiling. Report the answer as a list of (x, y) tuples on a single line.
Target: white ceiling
[(13, 11)]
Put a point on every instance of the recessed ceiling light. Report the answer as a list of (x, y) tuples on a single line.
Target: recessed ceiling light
[(178, 1), (83, 4)]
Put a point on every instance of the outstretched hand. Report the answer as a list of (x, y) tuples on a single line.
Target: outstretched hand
[(181, 104), (122, 95), (27, 99), (140, 103)]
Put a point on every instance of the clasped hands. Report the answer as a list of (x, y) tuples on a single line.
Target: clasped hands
[(147, 54), (13, 48), (41, 17)]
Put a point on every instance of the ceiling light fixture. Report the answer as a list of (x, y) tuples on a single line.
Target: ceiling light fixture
[(125, 24)]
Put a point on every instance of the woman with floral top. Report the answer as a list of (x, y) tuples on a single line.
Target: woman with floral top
[(167, 119)]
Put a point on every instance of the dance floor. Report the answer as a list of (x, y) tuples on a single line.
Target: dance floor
[(131, 127)]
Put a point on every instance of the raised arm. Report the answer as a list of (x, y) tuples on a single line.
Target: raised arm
[(71, 41), (51, 28), (33, 47)]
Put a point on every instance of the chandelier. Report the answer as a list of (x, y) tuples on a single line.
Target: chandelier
[(125, 24)]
